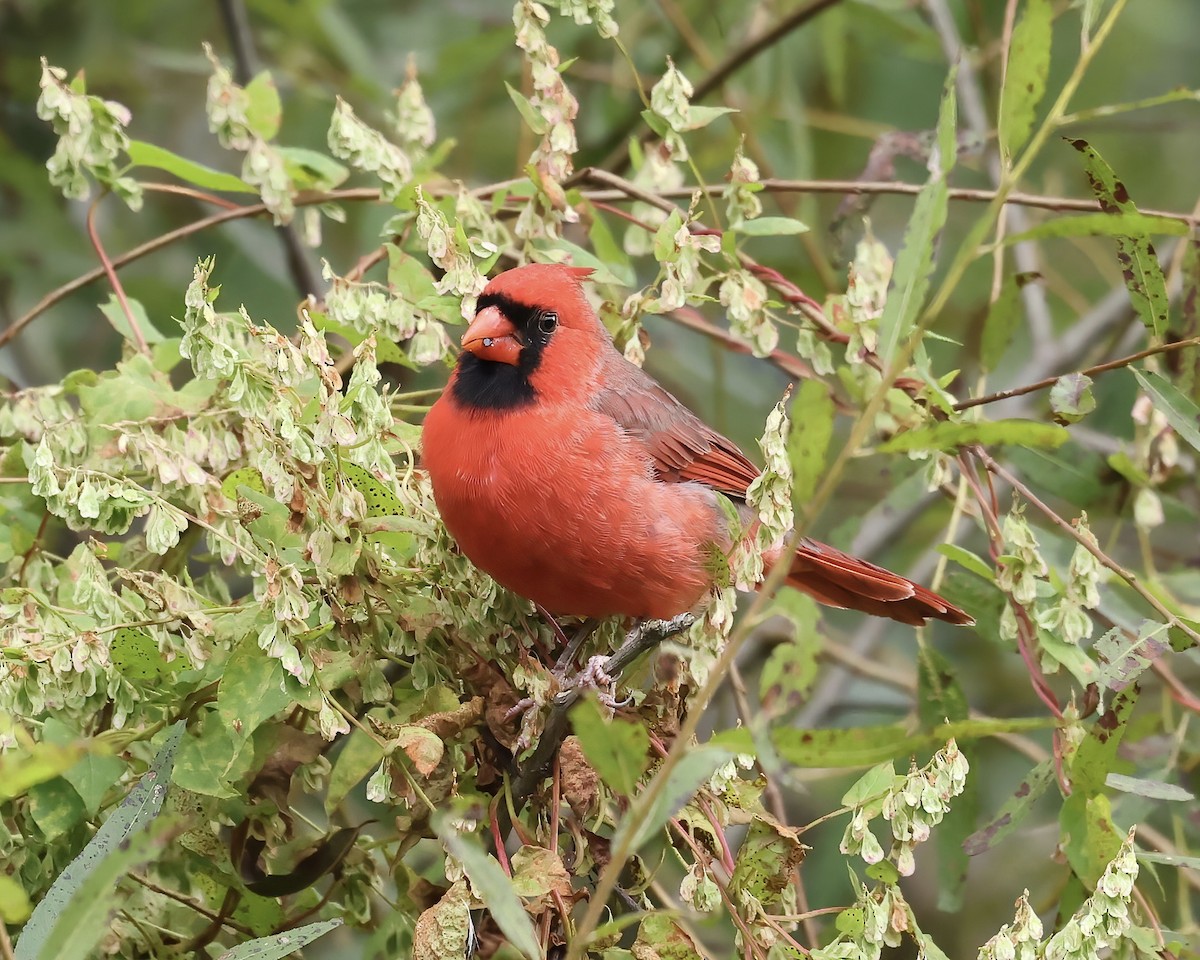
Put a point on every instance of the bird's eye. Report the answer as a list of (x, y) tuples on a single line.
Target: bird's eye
[(548, 322)]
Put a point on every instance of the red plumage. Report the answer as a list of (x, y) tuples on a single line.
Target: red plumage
[(577, 481)]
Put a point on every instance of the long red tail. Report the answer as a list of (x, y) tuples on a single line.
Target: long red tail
[(840, 580)]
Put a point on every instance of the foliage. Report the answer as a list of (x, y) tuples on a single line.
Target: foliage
[(223, 566)]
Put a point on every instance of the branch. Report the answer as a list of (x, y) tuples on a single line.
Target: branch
[(645, 636), (106, 265), (1089, 372)]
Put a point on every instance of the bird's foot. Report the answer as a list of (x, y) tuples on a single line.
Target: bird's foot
[(595, 676)]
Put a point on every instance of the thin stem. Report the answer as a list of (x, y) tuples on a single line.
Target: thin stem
[(1127, 575), (110, 271), (1089, 372)]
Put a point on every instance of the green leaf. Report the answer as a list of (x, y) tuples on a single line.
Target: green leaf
[(14, 901), (252, 689), (312, 170), (1150, 789), (1132, 223), (940, 697), (136, 656), (1071, 398), (1181, 412), (92, 777), (360, 754), (205, 760), (265, 111), (1097, 754), (21, 769), (110, 848), (949, 435), (700, 116), (789, 672), (968, 560), (1069, 655), (280, 945), (1013, 810), (861, 746), (492, 887), (766, 861), (1169, 859), (808, 441), (914, 264), (150, 155), (616, 749), (56, 808), (1025, 76), (1138, 261), (1124, 658), (874, 783), (694, 769), (116, 316), (771, 227), (664, 237), (529, 113)]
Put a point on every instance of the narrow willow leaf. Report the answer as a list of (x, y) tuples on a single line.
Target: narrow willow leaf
[(529, 113), (861, 746), (144, 154), (968, 560), (133, 815), (1025, 75), (694, 769), (1151, 789), (948, 435), (84, 919), (1181, 412), (115, 315), (617, 749), (280, 945), (808, 441), (1131, 223), (1013, 811), (492, 886), (1139, 263), (914, 264), (771, 227)]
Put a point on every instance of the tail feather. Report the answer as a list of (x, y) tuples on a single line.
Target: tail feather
[(840, 580)]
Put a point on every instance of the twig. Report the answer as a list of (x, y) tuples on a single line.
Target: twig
[(168, 238), (1127, 575), (1089, 372), (6, 947), (645, 636), (107, 266), (359, 194), (192, 904), (241, 39)]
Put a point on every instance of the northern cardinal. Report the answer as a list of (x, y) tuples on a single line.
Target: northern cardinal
[(578, 482)]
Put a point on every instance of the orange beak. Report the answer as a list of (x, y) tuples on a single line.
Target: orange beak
[(491, 336)]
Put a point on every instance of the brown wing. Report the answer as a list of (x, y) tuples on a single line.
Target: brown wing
[(681, 445)]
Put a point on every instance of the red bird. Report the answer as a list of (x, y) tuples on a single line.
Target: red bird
[(578, 482)]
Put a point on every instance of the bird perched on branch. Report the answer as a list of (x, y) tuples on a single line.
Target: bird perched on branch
[(578, 482)]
